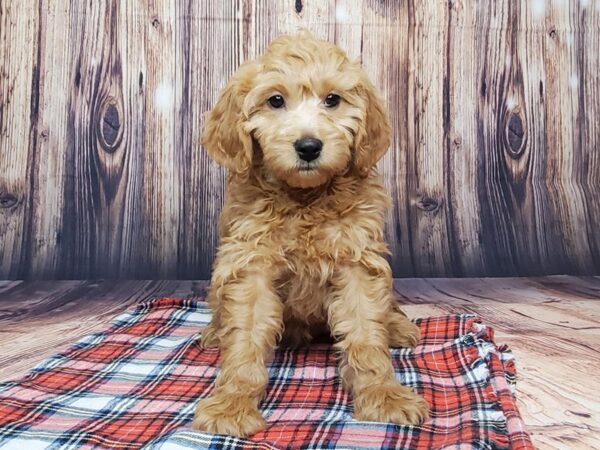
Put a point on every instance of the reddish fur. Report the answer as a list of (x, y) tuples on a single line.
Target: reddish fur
[(300, 252)]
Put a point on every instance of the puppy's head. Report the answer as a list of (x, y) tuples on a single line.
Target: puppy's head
[(303, 111)]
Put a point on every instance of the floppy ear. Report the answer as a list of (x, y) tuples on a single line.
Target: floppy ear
[(374, 135), (224, 136)]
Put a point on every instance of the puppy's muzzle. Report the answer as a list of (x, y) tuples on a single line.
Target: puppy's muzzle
[(308, 149)]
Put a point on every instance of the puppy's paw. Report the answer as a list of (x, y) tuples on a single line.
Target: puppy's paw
[(233, 415), (403, 333), (390, 403), (209, 338)]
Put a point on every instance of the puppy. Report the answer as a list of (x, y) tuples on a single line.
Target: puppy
[(302, 247)]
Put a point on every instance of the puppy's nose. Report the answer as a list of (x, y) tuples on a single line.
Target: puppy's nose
[(308, 149)]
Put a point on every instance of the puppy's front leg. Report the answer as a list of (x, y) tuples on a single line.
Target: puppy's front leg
[(250, 313), (357, 310)]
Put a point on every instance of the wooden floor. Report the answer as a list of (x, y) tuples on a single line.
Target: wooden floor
[(551, 323)]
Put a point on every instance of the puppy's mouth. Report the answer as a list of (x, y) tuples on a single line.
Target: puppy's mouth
[(306, 175), (307, 166)]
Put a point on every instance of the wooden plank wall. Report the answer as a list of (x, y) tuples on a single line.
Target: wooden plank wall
[(494, 169)]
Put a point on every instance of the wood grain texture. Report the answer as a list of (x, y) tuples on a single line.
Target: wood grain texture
[(552, 325), (494, 168)]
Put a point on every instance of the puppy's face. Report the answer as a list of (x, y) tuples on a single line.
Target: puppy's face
[(304, 123), (303, 111)]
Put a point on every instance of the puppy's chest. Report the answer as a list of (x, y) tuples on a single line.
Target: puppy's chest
[(313, 238), (311, 252)]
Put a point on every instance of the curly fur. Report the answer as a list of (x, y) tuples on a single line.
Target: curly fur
[(302, 248)]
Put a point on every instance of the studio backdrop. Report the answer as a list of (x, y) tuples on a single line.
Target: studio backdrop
[(494, 167)]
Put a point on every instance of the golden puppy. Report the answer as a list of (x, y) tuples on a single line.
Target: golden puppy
[(301, 234)]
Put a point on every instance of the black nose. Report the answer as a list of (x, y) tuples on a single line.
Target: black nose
[(308, 149)]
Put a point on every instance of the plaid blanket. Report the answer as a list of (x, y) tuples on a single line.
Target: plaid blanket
[(135, 384)]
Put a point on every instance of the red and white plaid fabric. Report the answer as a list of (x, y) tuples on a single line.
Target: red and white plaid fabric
[(136, 383)]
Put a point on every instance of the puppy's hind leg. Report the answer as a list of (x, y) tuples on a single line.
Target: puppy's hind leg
[(401, 331), (210, 334)]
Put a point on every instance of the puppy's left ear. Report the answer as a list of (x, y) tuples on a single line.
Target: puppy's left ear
[(374, 135)]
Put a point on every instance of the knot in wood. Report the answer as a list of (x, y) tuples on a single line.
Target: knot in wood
[(515, 135), (7, 200), (429, 204), (109, 126), (298, 6)]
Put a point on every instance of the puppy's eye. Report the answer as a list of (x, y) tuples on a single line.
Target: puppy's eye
[(332, 100), (276, 101)]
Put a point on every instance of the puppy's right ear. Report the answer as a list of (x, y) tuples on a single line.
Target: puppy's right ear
[(224, 136)]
